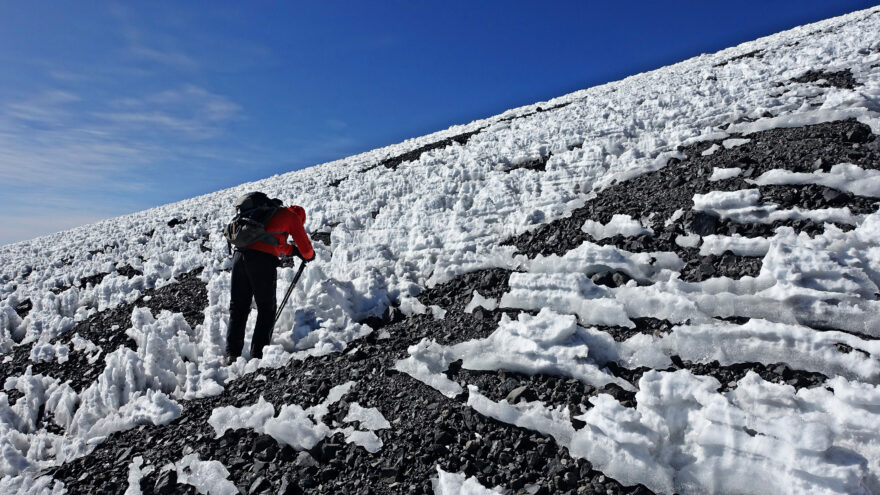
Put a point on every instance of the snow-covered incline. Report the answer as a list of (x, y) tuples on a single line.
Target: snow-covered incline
[(665, 284)]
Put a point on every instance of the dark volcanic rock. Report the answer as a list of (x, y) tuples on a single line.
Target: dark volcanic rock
[(777, 373), (322, 237), (537, 110), (751, 54), (24, 307), (841, 79), (394, 162), (648, 326), (539, 164), (129, 271), (413, 155), (92, 280), (457, 293)]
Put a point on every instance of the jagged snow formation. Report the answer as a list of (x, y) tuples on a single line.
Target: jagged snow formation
[(459, 484), (302, 428), (207, 476), (393, 231)]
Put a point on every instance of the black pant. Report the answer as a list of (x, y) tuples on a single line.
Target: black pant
[(253, 277)]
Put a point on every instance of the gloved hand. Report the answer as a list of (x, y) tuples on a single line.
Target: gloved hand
[(295, 252)]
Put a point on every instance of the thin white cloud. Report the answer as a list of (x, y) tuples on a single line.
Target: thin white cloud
[(157, 47), (85, 139), (172, 58), (69, 76), (337, 124), (58, 138), (46, 107), (190, 110)]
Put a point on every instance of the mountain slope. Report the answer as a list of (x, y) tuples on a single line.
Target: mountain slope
[(664, 284)]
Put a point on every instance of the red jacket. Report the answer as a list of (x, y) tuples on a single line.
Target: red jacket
[(288, 220)]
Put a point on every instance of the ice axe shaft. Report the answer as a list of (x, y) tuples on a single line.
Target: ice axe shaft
[(289, 290)]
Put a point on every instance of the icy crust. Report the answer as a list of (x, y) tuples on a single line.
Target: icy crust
[(766, 342), (618, 225), (209, 477), (439, 211), (843, 176), (547, 343), (827, 281), (682, 435), (743, 207), (686, 433), (136, 472), (302, 428), (459, 484), (27, 485)]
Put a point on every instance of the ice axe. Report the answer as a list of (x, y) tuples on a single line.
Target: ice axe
[(289, 290)]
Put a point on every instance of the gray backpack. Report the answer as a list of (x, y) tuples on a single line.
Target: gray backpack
[(254, 210)]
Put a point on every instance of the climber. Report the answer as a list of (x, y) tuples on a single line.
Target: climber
[(259, 233)]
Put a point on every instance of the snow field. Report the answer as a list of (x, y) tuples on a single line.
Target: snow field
[(443, 215)]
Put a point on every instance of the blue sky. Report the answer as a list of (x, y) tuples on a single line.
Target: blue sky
[(108, 108)]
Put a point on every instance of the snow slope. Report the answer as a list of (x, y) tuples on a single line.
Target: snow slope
[(401, 220)]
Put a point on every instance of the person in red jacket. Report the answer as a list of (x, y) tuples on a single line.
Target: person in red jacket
[(254, 278)]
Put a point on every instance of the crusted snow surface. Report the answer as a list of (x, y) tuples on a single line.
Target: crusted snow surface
[(299, 427), (393, 232), (843, 176), (370, 418), (480, 302), (209, 477), (459, 484), (682, 434), (724, 173), (620, 224), (744, 206), (136, 472)]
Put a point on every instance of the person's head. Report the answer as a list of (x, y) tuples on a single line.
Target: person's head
[(256, 199), (251, 200)]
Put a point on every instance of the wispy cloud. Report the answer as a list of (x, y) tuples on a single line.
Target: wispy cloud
[(192, 111), (336, 124), (46, 107), (173, 58), (68, 76), (123, 131), (159, 48), (60, 146)]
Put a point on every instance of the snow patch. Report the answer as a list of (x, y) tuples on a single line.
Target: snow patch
[(724, 173), (623, 225)]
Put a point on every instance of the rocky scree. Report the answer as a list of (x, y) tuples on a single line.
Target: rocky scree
[(842, 79), (427, 430), (801, 149)]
